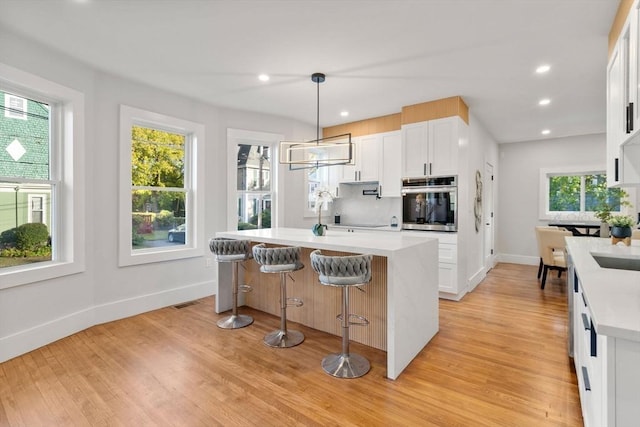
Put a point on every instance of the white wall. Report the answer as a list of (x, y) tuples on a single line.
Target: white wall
[(34, 314), (482, 149), (520, 165)]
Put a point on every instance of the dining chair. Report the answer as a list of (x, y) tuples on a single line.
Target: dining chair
[(551, 244)]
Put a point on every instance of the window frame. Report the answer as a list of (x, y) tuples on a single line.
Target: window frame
[(543, 198), (67, 121), (193, 179)]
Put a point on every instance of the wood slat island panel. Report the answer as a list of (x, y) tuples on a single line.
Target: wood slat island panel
[(323, 303)]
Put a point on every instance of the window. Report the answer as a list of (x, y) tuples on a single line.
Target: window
[(577, 194), (37, 208), (161, 209), (253, 183), (41, 179), (254, 186), (15, 107)]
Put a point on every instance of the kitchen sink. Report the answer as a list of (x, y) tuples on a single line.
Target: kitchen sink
[(617, 263)]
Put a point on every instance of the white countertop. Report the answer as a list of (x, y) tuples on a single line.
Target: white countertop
[(613, 295), (382, 244)]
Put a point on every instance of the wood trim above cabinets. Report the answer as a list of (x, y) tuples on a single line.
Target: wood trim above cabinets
[(618, 23), (438, 109), (365, 127)]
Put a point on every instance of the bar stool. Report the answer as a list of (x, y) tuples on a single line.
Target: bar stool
[(234, 251), (282, 261), (344, 272)]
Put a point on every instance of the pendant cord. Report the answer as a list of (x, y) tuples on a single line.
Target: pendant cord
[(318, 112)]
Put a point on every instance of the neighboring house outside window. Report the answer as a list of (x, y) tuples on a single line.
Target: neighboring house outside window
[(254, 186), (42, 180), (161, 208), (25, 171)]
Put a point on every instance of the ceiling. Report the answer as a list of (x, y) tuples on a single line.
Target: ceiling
[(378, 55)]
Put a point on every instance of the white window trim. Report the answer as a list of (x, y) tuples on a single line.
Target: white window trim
[(543, 202), (22, 115), (68, 217), (194, 161), (30, 198), (239, 136)]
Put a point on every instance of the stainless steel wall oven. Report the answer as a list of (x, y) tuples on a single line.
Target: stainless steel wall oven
[(430, 203)]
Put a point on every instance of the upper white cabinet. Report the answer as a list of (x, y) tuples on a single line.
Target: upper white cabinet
[(623, 97), (365, 167), (430, 147), (390, 165)]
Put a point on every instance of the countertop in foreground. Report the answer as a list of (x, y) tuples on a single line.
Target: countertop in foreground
[(613, 295)]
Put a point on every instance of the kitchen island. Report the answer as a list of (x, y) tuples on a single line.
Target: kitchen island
[(403, 293)]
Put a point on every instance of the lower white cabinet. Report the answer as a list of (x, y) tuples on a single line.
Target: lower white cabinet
[(448, 263), (607, 369)]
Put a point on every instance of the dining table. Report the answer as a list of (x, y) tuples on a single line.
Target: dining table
[(579, 228)]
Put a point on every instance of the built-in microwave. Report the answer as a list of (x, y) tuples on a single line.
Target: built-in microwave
[(430, 203)]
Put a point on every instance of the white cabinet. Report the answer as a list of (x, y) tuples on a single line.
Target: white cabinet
[(623, 99), (430, 147), (606, 368), (450, 280), (366, 156), (615, 116), (390, 164)]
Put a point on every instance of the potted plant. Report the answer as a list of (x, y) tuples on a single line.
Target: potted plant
[(604, 209), (621, 225), (322, 196)]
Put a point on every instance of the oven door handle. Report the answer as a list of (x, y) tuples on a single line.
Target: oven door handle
[(434, 189)]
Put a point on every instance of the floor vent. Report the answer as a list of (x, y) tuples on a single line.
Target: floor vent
[(185, 304)]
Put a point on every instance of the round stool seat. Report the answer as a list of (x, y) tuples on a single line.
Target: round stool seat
[(235, 251), (282, 260), (344, 272)]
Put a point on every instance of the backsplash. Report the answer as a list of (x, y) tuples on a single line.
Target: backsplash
[(356, 209)]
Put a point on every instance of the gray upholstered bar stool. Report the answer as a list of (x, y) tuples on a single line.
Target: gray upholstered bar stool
[(283, 260), (344, 272), (234, 251)]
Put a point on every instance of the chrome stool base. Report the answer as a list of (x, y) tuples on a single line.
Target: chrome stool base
[(235, 321), (345, 365), (283, 339)]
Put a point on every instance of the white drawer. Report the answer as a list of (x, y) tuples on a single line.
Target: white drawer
[(448, 253)]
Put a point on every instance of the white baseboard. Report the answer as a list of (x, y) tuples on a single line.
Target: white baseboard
[(477, 278), (30, 339), (519, 259)]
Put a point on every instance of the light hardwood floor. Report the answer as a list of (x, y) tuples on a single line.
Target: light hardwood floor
[(499, 359)]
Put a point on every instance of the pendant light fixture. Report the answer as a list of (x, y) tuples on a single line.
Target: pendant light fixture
[(331, 151)]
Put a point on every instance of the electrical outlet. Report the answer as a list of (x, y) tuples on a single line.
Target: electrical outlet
[(208, 262)]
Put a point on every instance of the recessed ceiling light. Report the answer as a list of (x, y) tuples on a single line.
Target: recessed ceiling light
[(544, 101), (543, 69), (344, 113), (263, 78), (546, 132)]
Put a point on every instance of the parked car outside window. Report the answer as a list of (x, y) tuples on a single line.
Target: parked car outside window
[(176, 235)]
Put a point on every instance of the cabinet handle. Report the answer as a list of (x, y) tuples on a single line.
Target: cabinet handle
[(584, 301), (355, 175), (615, 167), (430, 172), (630, 117), (424, 169), (585, 322), (576, 282), (337, 189), (585, 377), (380, 191), (627, 122), (594, 341)]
